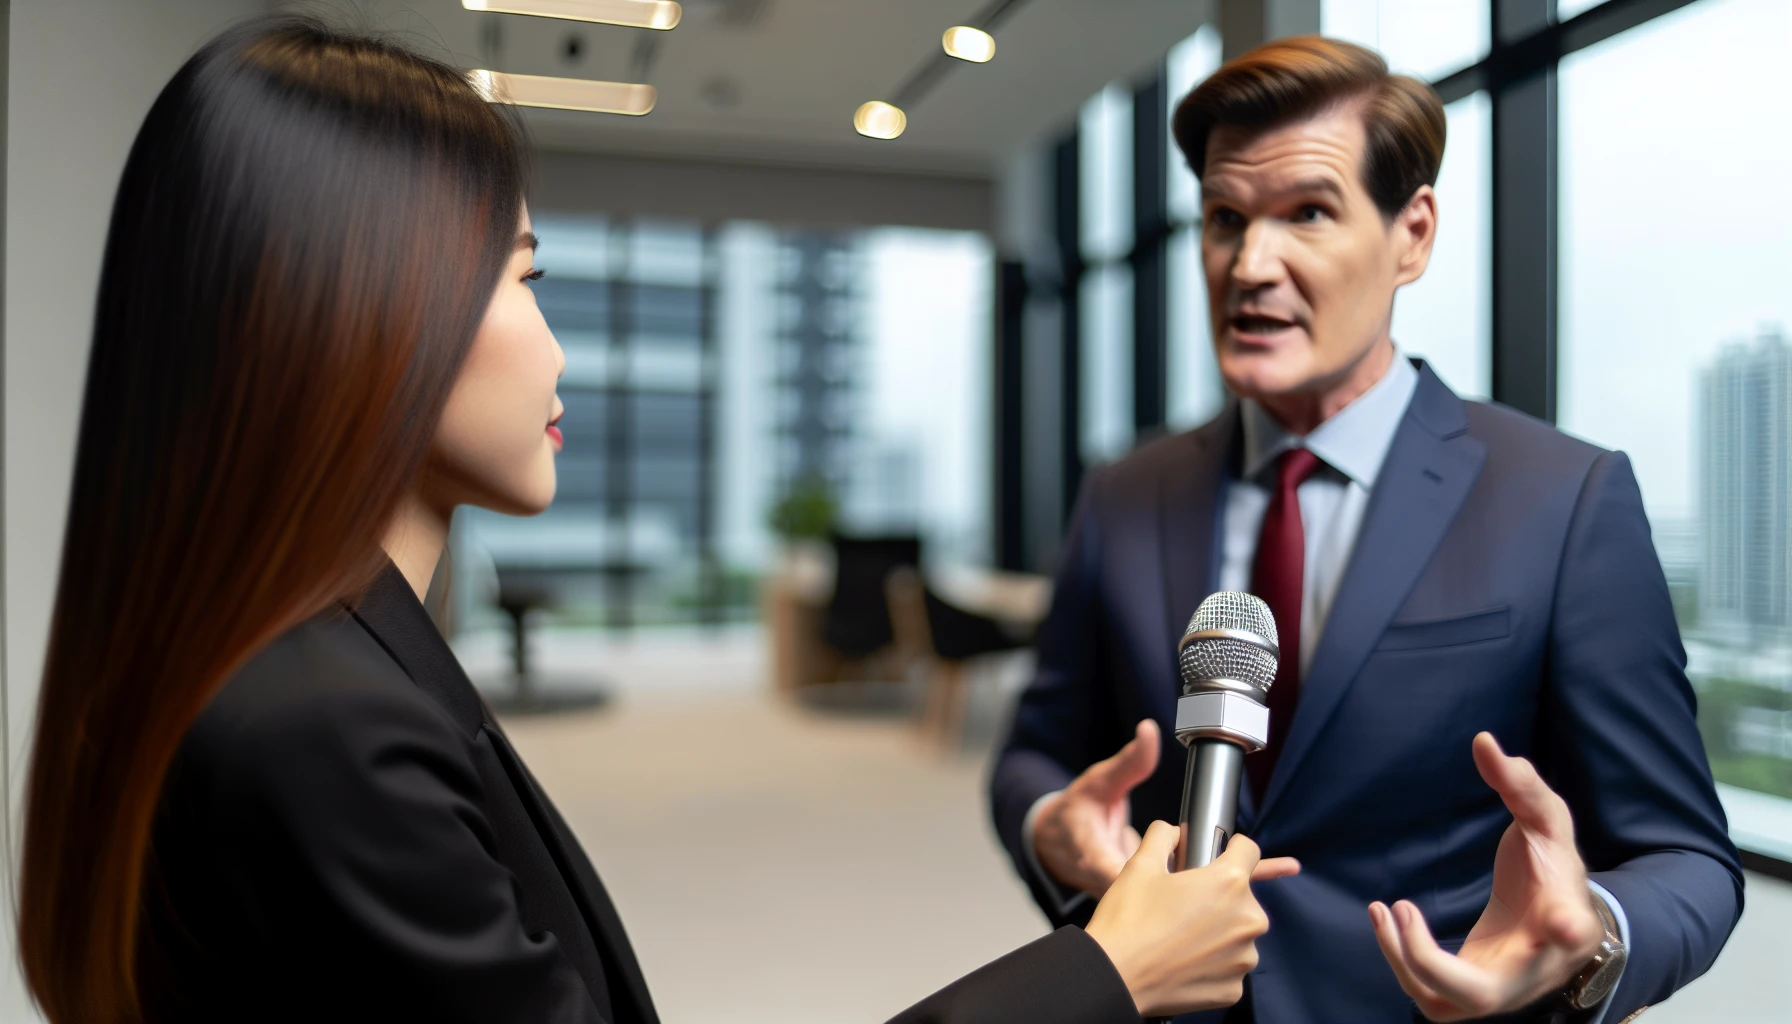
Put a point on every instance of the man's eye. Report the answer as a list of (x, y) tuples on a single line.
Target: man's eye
[(1224, 218), (1310, 214)]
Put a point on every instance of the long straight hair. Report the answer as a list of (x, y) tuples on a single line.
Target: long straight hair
[(309, 228)]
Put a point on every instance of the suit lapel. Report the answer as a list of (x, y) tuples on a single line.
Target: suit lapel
[(1429, 471), (1192, 494), (391, 612), (1192, 504)]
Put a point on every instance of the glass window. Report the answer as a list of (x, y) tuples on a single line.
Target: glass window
[(1195, 391), (1424, 38), (1105, 307), (1566, 9), (1189, 62), (1447, 315), (1676, 251), (1104, 169), (666, 253), (922, 414), (709, 374)]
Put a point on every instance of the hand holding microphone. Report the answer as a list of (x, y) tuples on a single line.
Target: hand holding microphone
[(1183, 941)]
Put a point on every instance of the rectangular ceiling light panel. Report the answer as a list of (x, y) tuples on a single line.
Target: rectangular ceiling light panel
[(564, 93), (660, 14)]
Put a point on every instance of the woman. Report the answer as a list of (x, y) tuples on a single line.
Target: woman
[(262, 789)]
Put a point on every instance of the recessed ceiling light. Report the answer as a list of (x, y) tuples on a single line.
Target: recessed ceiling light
[(564, 93), (879, 120), (660, 14), (972, 44)]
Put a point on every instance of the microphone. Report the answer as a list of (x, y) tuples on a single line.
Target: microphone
[(1227, 659)]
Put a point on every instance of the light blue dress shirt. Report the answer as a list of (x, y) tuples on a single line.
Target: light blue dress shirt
[(1351, 445)]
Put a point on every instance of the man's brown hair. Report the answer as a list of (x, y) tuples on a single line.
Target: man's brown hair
[(1293, 79)]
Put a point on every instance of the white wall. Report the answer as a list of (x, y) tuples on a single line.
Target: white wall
[(82, 74)]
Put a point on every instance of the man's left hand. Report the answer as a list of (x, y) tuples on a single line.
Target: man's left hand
[(1539, 928)]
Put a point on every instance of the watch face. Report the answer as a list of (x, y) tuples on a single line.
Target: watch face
[(1601, 983)]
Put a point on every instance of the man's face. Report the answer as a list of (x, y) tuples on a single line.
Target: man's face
[(1301, 265)]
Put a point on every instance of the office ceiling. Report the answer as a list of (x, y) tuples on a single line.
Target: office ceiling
[(777, 81)]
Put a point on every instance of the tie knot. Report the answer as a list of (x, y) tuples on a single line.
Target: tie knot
[(1294, 467)]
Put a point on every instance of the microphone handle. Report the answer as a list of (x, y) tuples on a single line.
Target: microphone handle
[(1209, 801)]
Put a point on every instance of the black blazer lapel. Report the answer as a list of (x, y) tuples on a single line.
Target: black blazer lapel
[(633, 1004), (391, 612), (1429, 471)]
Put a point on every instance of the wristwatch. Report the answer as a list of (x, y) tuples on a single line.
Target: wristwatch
[(1595, 981)]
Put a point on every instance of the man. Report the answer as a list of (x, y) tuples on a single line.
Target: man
[(1438, 569)]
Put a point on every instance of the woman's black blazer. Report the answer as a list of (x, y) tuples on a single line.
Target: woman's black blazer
[(347, 835)]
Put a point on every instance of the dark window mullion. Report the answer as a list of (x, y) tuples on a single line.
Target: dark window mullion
[(1524, 218), (1150, 265), (618, 455), (1067, 217), (1009, 425)]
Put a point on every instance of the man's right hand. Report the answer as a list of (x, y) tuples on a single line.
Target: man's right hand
[(1184, 941), (1083, 836)]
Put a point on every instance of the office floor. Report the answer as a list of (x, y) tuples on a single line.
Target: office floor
[(791, 864)]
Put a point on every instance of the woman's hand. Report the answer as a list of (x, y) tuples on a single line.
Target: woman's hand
[(1185, 940)]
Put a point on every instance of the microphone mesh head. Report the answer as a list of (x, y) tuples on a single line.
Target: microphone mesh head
[(1228, 657)]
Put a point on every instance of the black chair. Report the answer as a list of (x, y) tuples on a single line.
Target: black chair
[(946, 638), (857, 621), (522, 591)]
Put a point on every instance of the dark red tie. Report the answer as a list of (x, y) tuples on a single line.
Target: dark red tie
[(1276, 577)]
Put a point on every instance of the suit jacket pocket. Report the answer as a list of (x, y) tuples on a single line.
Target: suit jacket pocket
[(1493, 624)]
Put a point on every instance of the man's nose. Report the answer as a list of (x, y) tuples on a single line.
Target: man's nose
[(1259, 261)]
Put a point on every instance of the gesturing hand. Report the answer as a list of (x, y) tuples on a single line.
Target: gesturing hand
[(1083, 836), (1184, 941), (1539, 927)]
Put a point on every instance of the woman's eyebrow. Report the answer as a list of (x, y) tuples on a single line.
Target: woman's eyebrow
[(527, 240)]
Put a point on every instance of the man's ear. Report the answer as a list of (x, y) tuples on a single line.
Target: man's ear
[(1415, 231)]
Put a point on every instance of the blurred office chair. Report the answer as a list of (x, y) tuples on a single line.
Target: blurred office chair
[(856, 625), (944, 639), (522, 591)]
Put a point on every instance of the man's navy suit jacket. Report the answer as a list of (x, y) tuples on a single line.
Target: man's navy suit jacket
[(1503, 579)]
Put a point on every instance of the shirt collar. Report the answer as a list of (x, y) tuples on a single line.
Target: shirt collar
[(1355, 441)]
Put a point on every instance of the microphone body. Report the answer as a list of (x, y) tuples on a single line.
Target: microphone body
[(1227, 660), (1209, 800)]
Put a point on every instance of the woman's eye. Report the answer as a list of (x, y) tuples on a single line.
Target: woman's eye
[(535, 275), (1310, 214)]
